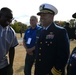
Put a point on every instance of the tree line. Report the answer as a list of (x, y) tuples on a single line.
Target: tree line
[(21, 27)]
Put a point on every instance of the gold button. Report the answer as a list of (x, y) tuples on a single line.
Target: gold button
[(50, 42), (39, 53), (39, 59), (60, 70), (40, 48), (40, 42), (46, 42), (70, 64)]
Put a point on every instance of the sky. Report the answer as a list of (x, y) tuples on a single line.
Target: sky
[(23, 9)]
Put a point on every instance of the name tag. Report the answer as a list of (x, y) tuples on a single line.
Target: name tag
[(29, 40)]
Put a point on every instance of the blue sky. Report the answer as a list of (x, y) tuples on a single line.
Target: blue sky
[(23, 9)]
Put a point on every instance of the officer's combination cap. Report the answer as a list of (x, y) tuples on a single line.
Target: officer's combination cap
[(47, 8), (74, 15)]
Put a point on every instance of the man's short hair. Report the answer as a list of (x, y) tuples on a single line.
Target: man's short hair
[(6, 10)]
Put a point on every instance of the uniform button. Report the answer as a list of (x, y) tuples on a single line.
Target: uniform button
[(70, 64), (40, 48), (50, 42), (60, 70), (39, 59), (46, 42), (35, 60), (39, 53), (40, 42)]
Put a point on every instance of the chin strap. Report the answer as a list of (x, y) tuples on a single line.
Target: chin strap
[(55, 71)]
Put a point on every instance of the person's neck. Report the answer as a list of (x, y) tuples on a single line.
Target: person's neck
[(46, 25), (3, 25), (33, 27)]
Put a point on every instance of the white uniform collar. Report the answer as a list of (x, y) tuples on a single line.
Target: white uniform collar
[(45, 28)]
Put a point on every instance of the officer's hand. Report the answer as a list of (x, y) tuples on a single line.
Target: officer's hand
[(28, 50), (30, 53)]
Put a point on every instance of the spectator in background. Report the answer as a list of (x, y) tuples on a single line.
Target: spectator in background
[(71, 65), (71, 31), (67, 27), (29, 44), (74, 15), (21, 33), (8, 41)]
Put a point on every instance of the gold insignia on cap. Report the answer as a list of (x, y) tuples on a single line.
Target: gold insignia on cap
[(42, 7)]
